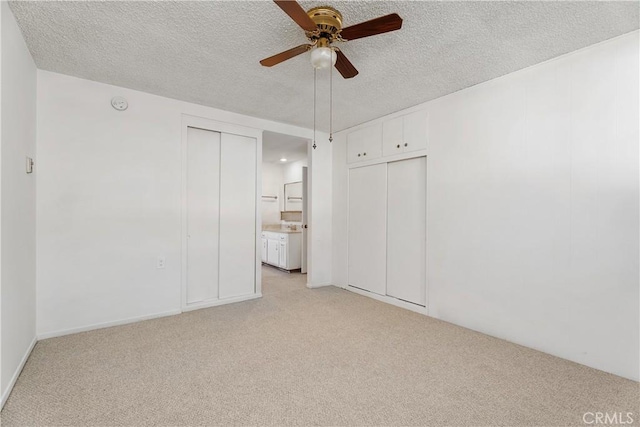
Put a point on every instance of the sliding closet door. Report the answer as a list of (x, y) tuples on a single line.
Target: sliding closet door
[(237, 216), (203, 195), (406, 230), (367, 227)]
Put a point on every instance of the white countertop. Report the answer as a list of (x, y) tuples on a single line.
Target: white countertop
[(281, 229)]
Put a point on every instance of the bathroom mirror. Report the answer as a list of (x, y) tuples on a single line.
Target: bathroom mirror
[(293, 196)]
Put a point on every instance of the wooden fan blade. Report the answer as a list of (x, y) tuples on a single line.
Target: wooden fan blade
[(283, 56), (297, 13), (345, 67), (384, 24)]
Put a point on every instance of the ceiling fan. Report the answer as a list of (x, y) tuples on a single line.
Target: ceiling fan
[(323, 26)]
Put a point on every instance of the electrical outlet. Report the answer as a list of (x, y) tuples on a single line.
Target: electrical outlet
[(161, 262)]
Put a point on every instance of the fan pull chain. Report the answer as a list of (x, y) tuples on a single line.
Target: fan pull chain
[(314, 108), (331, 100)]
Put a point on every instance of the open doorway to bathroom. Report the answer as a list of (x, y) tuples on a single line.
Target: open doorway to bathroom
[(284, 202)]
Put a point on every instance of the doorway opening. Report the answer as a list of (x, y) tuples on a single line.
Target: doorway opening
[(284, 202)]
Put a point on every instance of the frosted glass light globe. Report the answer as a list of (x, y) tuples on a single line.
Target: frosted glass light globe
[(323, 57)]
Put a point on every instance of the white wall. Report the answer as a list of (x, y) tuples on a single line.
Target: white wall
[(272, 185), (2, 396), (340, 206), (533, 207), (109, 202), (320, 212), (292, 172), (18, 202)]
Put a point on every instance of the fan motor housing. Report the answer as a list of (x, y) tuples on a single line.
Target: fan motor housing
[(328, 20)]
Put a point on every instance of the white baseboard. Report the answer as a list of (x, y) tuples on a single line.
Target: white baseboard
[(389, 300), (16, 374), (318, 285), (213, 303), (106, 324)]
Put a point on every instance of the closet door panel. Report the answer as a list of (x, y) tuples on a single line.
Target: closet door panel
[(406, 234), (367, 228), (237, 216), (203, 195), (355, 141), (372, 145), (393, 136), (415, 131)]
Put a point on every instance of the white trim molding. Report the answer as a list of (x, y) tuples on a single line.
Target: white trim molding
[(95, 326), (389, 300), (318, 285), (217, 302), (16, 374)]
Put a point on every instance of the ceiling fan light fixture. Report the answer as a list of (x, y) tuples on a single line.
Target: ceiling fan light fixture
[(323, 26), (323, 57)]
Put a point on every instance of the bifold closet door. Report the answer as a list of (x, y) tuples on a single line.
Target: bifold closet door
[(406, 230), (367, 228), (203, 196), (237, 216)]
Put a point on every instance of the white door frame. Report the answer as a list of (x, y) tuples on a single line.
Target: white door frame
[(222, 127), (305, 218)]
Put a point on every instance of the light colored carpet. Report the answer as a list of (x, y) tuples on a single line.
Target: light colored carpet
[(305, 357)]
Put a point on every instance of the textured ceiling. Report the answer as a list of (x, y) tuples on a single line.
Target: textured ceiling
[(276, 146), (208, 52)]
